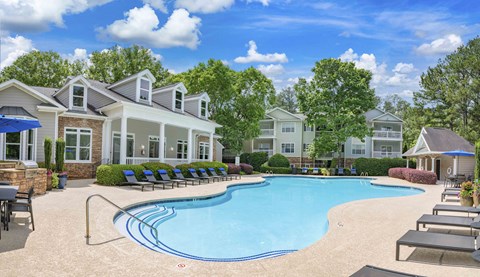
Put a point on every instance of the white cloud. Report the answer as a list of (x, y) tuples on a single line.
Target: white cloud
[(204, 6), (157, 4), (254, 56), (404, 68), (225, 62), (444, 45), (14, 47), (141, 26), (263, 2), (37, 15), (271, 69)]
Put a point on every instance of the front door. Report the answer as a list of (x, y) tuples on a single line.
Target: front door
[(116, 147), (437, 169)]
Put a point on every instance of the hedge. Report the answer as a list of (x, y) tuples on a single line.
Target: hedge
[(378, 167), (276, 170), (197, 165), (155, 166), (278, 160), (255, 159), (233, 169), (111, 175), (248, 169), (413, 175)]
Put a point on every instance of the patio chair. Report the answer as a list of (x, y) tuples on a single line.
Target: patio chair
[(179, 175), (194, 174), (315, 171), (132, 180), (353, 171), (437, 241), (214, 173), (340, 171), (203, 173), (371, 271), (22, 203), (447, 220), (224, 173), (450, 193), (151, 178), (164, 176), (455, 208), (304, 170)]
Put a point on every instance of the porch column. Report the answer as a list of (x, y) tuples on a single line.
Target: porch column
[(274, 150), (107, 140), (408, 162), (161, 143), (123, 140), (210, 148), (190, 145), (420, 163), (455, 165), (433, 164)]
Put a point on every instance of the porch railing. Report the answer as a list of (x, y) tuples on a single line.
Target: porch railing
[(170, 161), (266, 132), (387, 134), (268, 151), (381, 154)]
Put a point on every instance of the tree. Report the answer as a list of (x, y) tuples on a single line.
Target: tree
[(287, 100), (117, 63), (238, 99), (44, 69), (336, 100)]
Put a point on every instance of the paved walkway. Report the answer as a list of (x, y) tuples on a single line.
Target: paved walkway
[(361, 232)]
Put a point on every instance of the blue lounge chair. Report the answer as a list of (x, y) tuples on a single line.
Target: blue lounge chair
[(151, 178), (164, 176), (214, 173), (203, 173), (194, 174), (132, 180), (304, 170), (180, 176), (315, 171), (353, 171), (224, 173), (340, 171)]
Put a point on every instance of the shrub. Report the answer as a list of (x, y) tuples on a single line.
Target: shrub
[(257, 159), (396, 172), (47, 150), (278, 160), (184, 169), (206, 165), (378, 167), (420, 176), (325, 171), (55, 180), (111, 175), (245, 158), (59, 154), (233, 169), (155, 166), (276, 170), (248, 169)]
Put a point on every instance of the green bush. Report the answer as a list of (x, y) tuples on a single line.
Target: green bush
[(155, 166), (278, 160), (257, 159), (378, 167), (55, 180), (207, 165), (276, 170), (245, 158), (111, 175), (184, 169), (59, 154), (47, 150)]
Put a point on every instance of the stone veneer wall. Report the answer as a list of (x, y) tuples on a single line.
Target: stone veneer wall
[(206, 139), (83, 170), (17, 178)]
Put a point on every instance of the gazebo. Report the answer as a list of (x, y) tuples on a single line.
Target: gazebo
[(429, 151)]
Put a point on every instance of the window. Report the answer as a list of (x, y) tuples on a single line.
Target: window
[(203, 108), (204, 149), (78, 97), (30, 145), (178, 100), (288, 127), (307, 128), (358, 149), (305, 147), (78, 144), (386, 149), (145, 89), (288, 148), (12, 146), (153, 147), (182, 149)]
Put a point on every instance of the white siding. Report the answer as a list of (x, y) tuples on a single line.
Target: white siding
[(164, 99), (98, 100), (62, 97), (128, 89), (192, 107), (15, 97), (289, 138), (47, 120)]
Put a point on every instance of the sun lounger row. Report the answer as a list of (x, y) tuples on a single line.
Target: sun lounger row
[(165, 180)]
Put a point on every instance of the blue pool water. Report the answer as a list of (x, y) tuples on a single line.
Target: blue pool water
[(273, 218)]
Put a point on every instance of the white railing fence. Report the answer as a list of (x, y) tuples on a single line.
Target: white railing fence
[(381, 154), (387, 134)]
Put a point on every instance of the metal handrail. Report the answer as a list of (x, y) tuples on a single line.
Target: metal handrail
[(87, 213)]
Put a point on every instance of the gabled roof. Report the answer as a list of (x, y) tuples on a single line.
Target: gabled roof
[(438, 140), (284, 111), (31, 91), (132, 77), (197, 97), (92, 84), (170, 88), (15, 111)]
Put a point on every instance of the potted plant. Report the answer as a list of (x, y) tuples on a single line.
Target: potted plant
[(59, 162), (476, 194), (47, 150), (54, 180), (466, 194)]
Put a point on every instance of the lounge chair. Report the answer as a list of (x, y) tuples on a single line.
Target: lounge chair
[(164, 176), (194, 174), (22, 203), (180, 176), (437, 241), (454, 208), (224, 173), (304, 170), (447, 220), (315, 171), (214, 173), (203, 173), (372, 271), (151, 178), (449, 193), (353, 171), (132, 180), (340, 171)]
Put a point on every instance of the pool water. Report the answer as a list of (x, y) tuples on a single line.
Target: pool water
[(273, 218)]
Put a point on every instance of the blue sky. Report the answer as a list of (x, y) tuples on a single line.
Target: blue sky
[(396, 40)]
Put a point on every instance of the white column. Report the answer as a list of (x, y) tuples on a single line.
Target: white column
[(455, 165), (190, 146), (123, 140), (420, 163), (408, 162), (433, 164), (106, 140), (274, 146), (210, 148), (161, 143)]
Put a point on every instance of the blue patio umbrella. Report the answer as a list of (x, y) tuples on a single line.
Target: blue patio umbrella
[(459, 153), (13, 124)]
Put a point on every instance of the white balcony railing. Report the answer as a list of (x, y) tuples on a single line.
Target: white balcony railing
[(170, 161), (382, 154), (266, 132), (268, 151), (387, 134)]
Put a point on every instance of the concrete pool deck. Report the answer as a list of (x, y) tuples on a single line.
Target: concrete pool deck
[(360, 233)]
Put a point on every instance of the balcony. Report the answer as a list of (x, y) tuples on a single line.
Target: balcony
[(389, 135), (268, 151), (382, 154), (267, 132)]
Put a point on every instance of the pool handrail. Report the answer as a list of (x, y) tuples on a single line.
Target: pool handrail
[(87, 213)]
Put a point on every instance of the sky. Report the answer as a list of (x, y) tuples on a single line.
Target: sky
[(396, 40)]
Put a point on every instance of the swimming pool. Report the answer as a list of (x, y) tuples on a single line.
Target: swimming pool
[(247, 222)]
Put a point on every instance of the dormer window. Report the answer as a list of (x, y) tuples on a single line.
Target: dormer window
[(144, 90), (203, 109), (179, 101), (78, 98)]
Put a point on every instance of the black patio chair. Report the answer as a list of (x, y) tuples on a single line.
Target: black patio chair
[(22, 203), (214, 173), (164, 176), (194, 174), (151, 178), (224, 173), (203, 173), (132, 180), (179, 175)]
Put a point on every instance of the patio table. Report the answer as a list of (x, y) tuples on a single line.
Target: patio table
[(7, 193)]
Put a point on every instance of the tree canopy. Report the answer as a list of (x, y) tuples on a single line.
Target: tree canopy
[(335, 100), (287, 100)]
